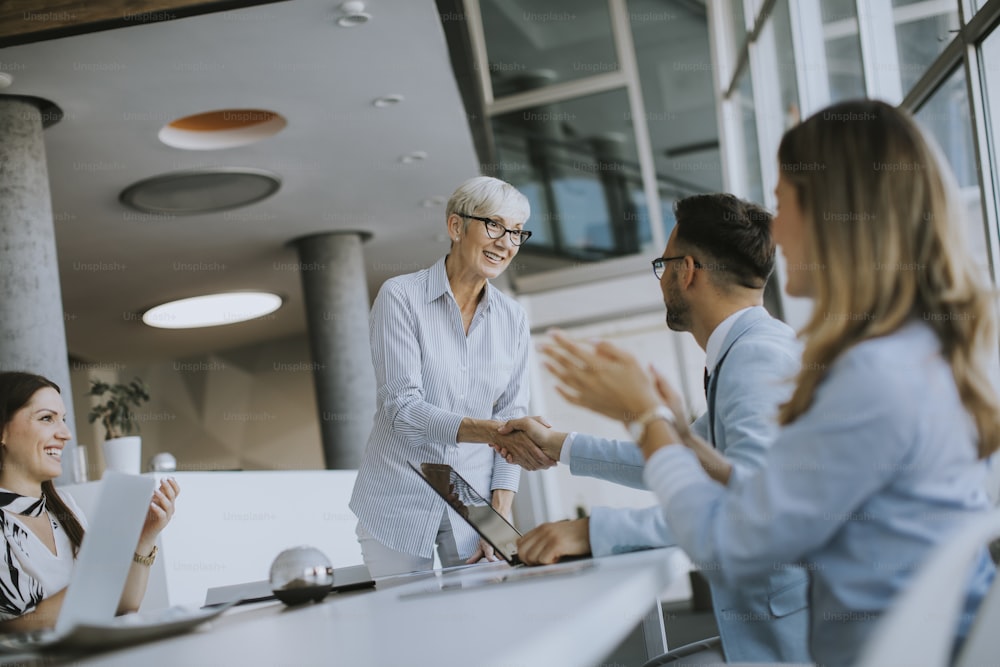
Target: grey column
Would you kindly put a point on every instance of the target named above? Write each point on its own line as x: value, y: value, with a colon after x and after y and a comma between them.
x: 336, y: 299
x: 32, y: 328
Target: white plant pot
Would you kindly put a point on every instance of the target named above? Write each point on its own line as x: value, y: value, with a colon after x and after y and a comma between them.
x: 123, y: 454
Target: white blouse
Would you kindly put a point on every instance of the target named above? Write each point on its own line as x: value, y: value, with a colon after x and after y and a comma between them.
x: 33, y: 573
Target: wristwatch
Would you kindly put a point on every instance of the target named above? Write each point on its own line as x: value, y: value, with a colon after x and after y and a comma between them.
x: 145, y: 560
x: 638, y: 427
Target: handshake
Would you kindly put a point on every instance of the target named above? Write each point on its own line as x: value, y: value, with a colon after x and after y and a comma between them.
x: 529, y: 442
x: 599, y: 377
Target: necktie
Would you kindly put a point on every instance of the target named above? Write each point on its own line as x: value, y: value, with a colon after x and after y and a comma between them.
x: 706, y: 383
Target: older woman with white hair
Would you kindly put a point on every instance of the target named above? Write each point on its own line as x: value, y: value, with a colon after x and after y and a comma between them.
x: 450, y: 353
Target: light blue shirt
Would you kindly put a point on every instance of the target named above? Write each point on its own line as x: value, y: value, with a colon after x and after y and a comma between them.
x: 712, y: 350
x: 430, y: 375
x: 763, y: 620
x: 716, y: 340
x: 859, y: 489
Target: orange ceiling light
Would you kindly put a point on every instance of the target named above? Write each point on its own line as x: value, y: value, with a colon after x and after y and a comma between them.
x: 223, y: 128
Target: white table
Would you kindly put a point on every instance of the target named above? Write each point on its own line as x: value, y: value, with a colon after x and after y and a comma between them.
x: 573, y: 618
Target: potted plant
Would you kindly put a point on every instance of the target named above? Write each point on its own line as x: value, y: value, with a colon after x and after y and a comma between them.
x: 122, y: 451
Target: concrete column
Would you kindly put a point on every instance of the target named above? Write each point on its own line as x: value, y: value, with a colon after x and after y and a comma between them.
x: 32, y: 329
x: 337, y: 306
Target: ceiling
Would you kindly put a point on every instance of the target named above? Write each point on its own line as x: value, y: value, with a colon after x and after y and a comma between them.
x: 338, y: 159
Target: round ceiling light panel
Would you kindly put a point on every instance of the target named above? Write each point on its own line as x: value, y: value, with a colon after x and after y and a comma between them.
x: 224, y: 128
x: 212, y: 310
x: 195, y: 191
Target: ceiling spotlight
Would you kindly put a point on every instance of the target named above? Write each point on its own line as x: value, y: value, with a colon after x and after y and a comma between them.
x: 415, y: 156
x: 387, y: 101
x: 354, y: 14
x: 6, y: 79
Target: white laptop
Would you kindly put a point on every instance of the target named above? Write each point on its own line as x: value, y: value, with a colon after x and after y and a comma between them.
x: 87, y: 618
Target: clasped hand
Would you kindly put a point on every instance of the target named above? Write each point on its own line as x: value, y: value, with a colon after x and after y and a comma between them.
x: 600, y: 377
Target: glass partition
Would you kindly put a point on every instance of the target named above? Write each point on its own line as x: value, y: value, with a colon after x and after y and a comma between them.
x: 923, y: 30
x: 576, y: 162
x: 675, y: 75
x: 536, y: 43
x: 843, y: 49
x: 946, y: 116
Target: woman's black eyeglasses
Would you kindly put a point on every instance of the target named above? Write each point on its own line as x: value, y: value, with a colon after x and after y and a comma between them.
x: 495, y: 230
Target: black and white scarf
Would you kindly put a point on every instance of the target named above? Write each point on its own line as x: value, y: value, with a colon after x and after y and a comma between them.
x: 19, y: 592
x: 23, y: 505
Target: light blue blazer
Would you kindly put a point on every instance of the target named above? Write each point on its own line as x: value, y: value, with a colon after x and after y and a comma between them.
x: 860, y: 489
x: 760, y: 620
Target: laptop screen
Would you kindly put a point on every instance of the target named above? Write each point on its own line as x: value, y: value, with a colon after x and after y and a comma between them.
x: 472, y: 507
x: 105, y: 557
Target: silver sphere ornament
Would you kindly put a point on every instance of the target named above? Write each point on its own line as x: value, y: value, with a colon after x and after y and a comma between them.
x: 163, y: 462
x: 301, y: 574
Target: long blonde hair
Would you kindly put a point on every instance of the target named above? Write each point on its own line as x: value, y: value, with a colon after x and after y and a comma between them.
x: 884, y: 227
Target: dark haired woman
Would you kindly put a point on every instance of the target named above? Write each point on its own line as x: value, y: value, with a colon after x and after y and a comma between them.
x: 42, y: 529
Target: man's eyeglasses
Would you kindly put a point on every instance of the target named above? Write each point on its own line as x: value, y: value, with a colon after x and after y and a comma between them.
x: 495, y: 230
x: 660, y: 264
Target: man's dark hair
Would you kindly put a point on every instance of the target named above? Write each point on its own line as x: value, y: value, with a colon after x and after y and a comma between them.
x: 730, y: 235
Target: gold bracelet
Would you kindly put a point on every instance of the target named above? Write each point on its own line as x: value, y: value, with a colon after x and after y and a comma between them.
x: 145, y: 560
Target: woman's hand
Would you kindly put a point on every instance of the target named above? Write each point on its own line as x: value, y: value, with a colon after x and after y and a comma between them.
x: 161, y: 510
x: 601, y: 377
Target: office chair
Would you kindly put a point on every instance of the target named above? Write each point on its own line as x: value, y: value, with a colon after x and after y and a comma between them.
x: 702, y: 652
x: 919, y: 627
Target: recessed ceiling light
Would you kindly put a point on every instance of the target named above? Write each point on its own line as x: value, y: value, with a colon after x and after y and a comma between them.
x: 414, y: 156
x: 387, y: 101
x: 354, y: 15
x: 222, y: 128
x: 6, y: 79
x: 212, y: 310
x: 195, y: 191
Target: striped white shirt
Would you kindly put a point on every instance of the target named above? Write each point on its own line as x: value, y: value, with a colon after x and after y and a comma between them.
x: 431, y: 375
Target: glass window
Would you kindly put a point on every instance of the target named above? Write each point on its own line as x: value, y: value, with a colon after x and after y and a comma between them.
x: 843, y: 49
x: 739, y: 24
x: 753, y: 187
x: 946, y: 116
x: 989, y: 57
x: 675, y: 75
x: 782, y: 25
x: 923, y: 30
x: 973, y: 6
x: 535, y: 43
x: 577, y: 163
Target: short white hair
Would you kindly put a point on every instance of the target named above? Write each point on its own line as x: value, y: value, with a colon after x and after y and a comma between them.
x: 487, y: 197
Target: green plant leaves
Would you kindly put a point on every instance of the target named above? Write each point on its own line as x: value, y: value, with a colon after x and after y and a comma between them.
x: 115, y: 412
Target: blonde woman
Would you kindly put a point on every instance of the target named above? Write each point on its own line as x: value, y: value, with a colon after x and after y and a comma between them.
x: 880, y: 454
